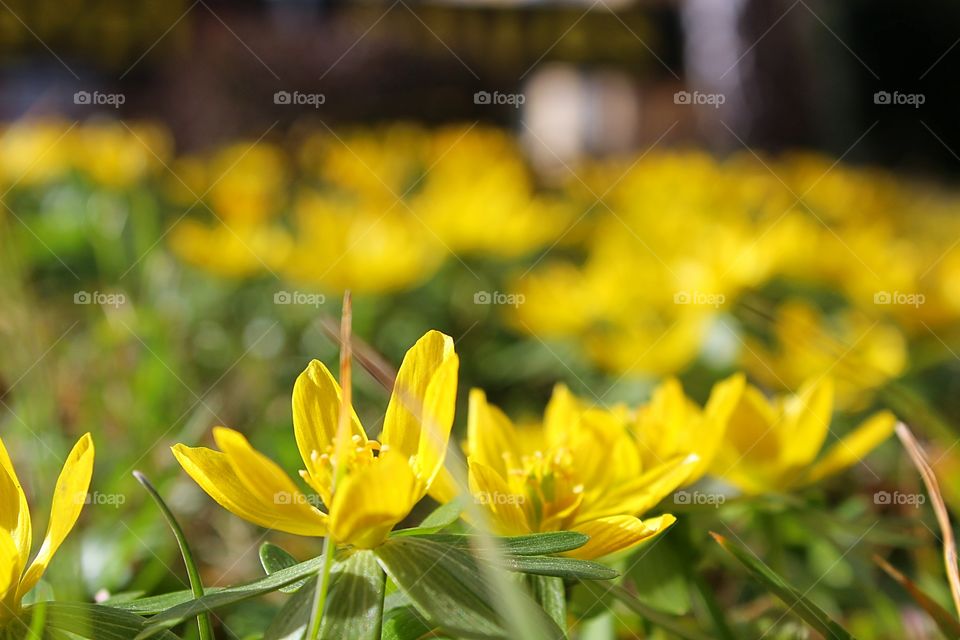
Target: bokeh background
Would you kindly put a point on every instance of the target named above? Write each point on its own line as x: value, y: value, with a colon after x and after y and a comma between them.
x: 599, y: 193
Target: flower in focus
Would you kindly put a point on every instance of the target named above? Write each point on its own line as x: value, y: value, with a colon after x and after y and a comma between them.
x: 16, y: 537
x: 580, y: 470
x: 366, y: 486
x: 772, y: 445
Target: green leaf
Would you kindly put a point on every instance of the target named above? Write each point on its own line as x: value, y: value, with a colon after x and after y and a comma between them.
x: 274, y: 559
x: 405, y: 623
x: 152, y: 605
x: 177, y: 614
x: 447, y: 585
x: 568, y: 568
x: 439, y: 519
x: 809, y: 612
x: 535, y: 544
x: 354, y: 605
x: 291, y: 621
x: 92, y: 621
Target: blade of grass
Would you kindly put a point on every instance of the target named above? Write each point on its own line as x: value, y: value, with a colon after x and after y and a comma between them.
x: 944, y: 619
x: 196, y: 585
x: 813, y: 615
x: 919, y: 459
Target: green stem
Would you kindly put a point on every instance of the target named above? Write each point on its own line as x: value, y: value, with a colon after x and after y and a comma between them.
x: 550, y: 593
x: 196, y: 585
x: 322, y: 587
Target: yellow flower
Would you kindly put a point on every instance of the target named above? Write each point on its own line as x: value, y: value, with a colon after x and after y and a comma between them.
x: 863, y: 353
x: 671, y: 424
x: 771, y: 445
x: 581, y: 470
x: 16, y: 537
x: 376, y: 483
x: 359, y: 245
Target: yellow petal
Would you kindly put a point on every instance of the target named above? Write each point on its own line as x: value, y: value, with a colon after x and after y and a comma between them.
x: 723, y: 400
x: 491, y: 491
x: 216, y: 474
x: 9, y: 574
x: 69, y: 497
x: 408, y: 410
x: 617, y: 533
x: 16, y: 517
x: 439, y: 405
x: 316, y: 411
x: 560, y: 415
x: 854, y: 447
x: 491, y: 437
x: 642, y: 494
x: 444, y: 487
x: 806, y: 422
x: 372, y: 499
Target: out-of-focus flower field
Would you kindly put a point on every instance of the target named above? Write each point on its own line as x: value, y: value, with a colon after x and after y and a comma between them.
x: 149, y: 295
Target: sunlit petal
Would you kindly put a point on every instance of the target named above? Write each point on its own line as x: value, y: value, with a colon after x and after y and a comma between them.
x: 490, y: 490
x: 68, y: 499
x: 491, y: 437
x: 20, y: 529
x: 806, y: 423
x: 372, y: 499
x: 316, y: 410
x: 439, y: 405
x: 617, y: 533
x: 407, y: 410
x: 854, y: 447
x: 9, y: 573
x: 215, y: 474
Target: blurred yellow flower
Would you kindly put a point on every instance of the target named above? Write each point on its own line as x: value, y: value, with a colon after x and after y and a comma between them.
x: 366, y: 486
x: 16, y: 536
x: 671, y: 424
x: 863, y: 354
x: 478, y: 196
x: 349, y: 245
x: 247, y: 182
x: 120, y: 156
x: 34, y: 151
x: 236, y: 250
x: 771, y: 445
x: 580, y: 470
